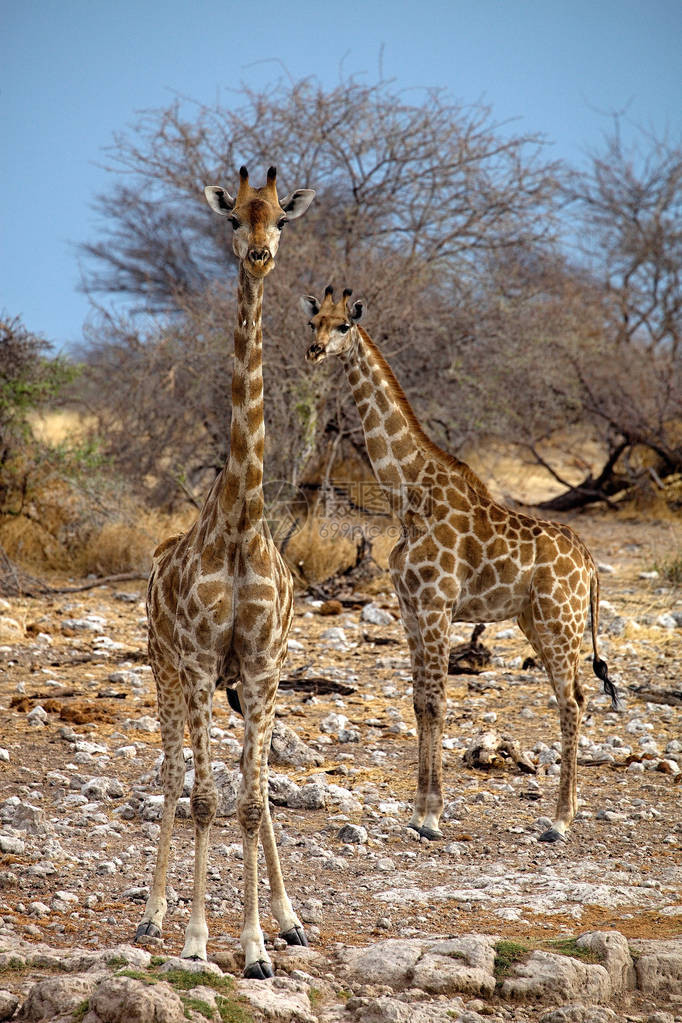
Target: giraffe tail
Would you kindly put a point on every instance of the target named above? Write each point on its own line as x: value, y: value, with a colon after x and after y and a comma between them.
x: 599, y: 666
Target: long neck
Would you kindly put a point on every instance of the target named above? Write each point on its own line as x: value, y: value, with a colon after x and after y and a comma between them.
x: 396, y: 444
x: 242, y: 492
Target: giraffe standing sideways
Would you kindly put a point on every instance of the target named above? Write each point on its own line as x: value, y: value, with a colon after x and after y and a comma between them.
x: 462, y: 556
x: 219, y: 607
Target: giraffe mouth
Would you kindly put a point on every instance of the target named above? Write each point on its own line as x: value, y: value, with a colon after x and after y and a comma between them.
x: 315, y: 353
x: 259, y: 263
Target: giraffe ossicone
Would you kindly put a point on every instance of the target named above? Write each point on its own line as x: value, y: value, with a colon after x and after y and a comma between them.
x: 462, y: 556
x: 219, y: 608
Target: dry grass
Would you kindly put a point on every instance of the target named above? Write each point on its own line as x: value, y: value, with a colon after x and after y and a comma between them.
x: 60, y: 426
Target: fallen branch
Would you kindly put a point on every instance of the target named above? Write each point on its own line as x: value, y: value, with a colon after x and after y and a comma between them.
x: 122, y: 577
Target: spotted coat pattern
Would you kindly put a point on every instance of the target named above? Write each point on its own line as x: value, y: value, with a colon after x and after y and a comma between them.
x: 219, y: 608
x: 462, y: 556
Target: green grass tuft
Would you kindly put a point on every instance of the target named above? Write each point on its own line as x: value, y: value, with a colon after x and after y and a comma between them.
x: 507, y: 953
x: 197, y: 1005
x: 570, y: 947
x: 79, y: 1012
x: 232, y: 1011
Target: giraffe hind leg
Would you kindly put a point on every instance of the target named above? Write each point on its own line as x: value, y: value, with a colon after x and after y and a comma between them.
x: 562, y: 669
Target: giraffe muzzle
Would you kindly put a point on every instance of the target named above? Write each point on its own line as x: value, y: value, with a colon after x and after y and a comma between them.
x: 315, y: 353
x: 260, y: 260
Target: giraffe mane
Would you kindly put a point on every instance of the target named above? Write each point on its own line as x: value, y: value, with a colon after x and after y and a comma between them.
x: 400, y: 398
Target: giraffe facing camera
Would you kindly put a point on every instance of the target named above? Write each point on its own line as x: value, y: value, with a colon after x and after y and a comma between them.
x: 219, y: 609
x: 462, y: 556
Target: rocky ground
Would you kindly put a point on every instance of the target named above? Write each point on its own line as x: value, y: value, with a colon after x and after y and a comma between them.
x: 400, y: 929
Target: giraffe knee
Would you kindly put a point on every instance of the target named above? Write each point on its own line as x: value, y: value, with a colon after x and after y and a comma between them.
x: 430, y: 705
x: 203, y: 804
x: 250, y: 814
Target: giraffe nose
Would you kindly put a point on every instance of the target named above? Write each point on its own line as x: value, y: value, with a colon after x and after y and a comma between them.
x: 315, y: 352
x: 259, y: 257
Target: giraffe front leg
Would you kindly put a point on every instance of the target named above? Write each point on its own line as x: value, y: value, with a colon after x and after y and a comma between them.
x: 203, y: 803
x: 428, y: 639
x: 290, y: 927
x: 172, y: 776
x: 429, y: 703
x: 250, y: 811
x: 429, y: 706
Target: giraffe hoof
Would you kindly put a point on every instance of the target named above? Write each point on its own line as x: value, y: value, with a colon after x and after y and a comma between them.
x: 147, y: 929
x: 431, y: 834
x: 260, y: 970
x: 552, y: 835
x: 295, y: 936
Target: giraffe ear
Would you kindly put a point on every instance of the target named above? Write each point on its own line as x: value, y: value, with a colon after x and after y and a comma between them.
x: 310, y: 305
x: 296, y: 203
x: 355, y: 311
x: 219, y: 200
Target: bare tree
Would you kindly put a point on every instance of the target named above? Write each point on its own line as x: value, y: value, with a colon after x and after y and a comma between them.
x: 628, y: 375
x: 414, y: 201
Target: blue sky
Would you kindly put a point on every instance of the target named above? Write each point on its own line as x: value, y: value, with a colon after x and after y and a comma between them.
x: 74, y: 72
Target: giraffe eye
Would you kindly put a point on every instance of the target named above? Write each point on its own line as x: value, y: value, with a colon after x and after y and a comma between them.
x: 343, y: 328
x: 281, y: 222
x: 311, y: 325
x: 235, y: 223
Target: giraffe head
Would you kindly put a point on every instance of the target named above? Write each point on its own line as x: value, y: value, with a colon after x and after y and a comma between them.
x: 333, y: 323
x: 257, y: 217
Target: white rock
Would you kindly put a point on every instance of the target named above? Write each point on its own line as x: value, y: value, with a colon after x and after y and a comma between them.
x: 386, y: 962
x: 125, y: 998
x: 59, y: 996
x: 311, y: 796
x: 335, y: 638
x: 38, y: 909
x: 106, y: 868
x: 37, y: 716
x: 613, y: 948
x: 333, y: 723
x: 11, y: 844
x: 349, y: 735
x: 126, y: 752
x: 548, y: 977
x: 144, y: 724
x: 281, y: 789
x: 346, y: 801
x: 667, y: 621
x: 279, y: 999
x: 659, y: 967
x: 91, y: 623
x: 376, y: 615
x: 458, y: 965
x: 353, y: 833
x: 102, y: 788
x: 312, y: 911
x: 10, y: 630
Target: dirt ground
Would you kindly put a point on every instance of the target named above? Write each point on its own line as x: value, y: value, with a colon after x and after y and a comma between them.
x: 622, y: 859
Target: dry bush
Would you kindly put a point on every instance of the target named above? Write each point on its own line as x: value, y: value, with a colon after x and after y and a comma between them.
x: 448, y: 225
x: 411, y: 199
